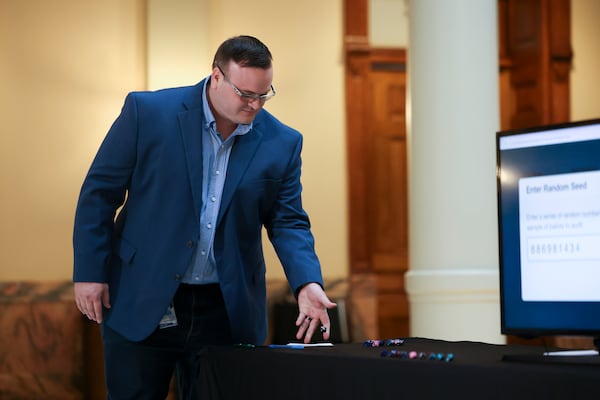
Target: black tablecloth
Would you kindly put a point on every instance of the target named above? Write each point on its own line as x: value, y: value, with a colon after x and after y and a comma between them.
x: 352, y: 371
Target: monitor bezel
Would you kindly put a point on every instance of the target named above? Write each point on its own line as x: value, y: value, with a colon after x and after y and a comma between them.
x: 532, y: 331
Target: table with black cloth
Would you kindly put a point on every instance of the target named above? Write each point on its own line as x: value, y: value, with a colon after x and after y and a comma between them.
x: 353, y: 371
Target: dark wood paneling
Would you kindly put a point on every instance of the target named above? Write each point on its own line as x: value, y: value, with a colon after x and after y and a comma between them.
x: 356, y: 29
x: 539, y: 49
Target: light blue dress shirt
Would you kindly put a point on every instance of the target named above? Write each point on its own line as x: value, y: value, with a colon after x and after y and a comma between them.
x: 215, y: 158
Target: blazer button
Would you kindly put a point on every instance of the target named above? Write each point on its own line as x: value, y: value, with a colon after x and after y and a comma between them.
x: 177, y: 277
x: 190, y: 244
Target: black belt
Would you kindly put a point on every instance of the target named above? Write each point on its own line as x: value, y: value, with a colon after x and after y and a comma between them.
x: 188, y: 287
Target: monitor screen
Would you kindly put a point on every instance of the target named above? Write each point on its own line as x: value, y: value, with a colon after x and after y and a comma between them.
x: 549, y: 229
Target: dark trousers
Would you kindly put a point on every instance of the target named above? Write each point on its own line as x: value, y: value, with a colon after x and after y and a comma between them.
x: 143, y: 370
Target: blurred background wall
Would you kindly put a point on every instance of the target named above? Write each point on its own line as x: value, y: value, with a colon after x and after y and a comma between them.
x: 66, y: 66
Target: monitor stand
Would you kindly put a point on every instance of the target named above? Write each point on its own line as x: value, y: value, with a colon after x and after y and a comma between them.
x: 581, y: 357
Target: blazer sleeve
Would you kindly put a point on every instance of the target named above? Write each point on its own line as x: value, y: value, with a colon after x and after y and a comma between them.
x: 102, y: 193
x: 289, y: 229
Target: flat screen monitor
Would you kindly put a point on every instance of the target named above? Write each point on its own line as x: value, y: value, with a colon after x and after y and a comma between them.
x: 548, y: 182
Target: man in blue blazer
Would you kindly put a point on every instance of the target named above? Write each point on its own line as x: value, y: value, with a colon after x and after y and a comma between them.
x: 167, y: 240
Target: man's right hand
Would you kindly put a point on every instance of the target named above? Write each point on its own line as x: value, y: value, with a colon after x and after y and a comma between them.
x: 90, y: 297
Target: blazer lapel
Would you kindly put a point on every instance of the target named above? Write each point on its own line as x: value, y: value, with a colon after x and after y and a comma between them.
x: 190, y: 123
x: 242, y: 153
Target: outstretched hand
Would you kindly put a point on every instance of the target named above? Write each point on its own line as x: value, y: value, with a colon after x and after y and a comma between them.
x: 312, y: 306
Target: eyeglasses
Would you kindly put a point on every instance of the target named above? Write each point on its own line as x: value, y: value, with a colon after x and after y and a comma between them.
x: 249, y: 96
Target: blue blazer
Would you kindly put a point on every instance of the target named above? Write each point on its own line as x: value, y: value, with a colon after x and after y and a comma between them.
x: 150, y: 164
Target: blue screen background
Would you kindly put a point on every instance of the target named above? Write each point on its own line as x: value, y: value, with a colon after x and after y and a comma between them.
x: 539, y: 318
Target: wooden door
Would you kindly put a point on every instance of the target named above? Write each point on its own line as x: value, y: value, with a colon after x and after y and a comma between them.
x: 536, y: 59
x: 387, y: 204
x: 375, y: 104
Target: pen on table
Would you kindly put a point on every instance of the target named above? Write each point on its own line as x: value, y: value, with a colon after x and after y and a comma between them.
x: 286, y: 346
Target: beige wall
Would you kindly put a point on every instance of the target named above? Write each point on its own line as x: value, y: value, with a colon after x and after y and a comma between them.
x: 179, y: 48
x: 585, y: 76
x: 388, y: 23
x: 67, y: 65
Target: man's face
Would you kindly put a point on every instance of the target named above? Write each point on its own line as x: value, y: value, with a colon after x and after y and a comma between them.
x: 226, y: 100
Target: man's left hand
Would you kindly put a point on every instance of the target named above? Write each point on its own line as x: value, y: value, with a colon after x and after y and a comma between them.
x: 312, y: 305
